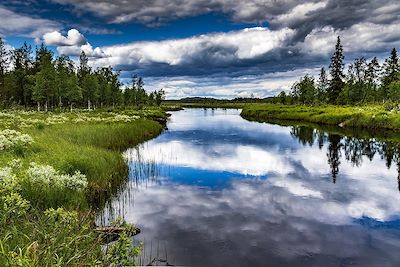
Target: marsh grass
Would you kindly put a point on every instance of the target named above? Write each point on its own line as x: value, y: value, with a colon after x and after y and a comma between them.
x: 91, y: 143
x: 370, y: 116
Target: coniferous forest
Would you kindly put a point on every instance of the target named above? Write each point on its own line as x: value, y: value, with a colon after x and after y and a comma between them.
x: 39, y: 79
x: 364, y: 82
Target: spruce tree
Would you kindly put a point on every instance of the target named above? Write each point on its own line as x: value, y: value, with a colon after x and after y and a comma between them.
x: 336, y: 71
x: 322, y: 86
x: 391, y: 70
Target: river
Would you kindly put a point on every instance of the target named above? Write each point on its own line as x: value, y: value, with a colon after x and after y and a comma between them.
x: 217, y: 190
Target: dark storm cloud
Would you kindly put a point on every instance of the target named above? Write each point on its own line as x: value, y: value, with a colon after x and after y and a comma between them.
x: 306, y: 32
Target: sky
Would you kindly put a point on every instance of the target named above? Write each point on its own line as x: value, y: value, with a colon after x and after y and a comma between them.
x: 208, y: 48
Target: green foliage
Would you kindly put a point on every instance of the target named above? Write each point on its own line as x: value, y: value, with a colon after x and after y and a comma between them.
x: 45, y: 217
x: 54, y: 83
x: 365, y: 82
x: 304, y: 91
x: 371, y: 116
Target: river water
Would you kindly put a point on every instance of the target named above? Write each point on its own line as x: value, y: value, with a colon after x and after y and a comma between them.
x: 217, y: 190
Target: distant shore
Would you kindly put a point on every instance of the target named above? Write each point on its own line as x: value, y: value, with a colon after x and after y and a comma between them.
x: 369, y: 117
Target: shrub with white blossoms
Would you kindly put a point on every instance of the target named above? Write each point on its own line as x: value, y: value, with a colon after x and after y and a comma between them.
x: 47, y: 175
x: 8, y: 181
x: 11, y: 138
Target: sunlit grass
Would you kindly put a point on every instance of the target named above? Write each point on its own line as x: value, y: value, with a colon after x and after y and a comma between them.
x: 87, y: 143
x: 369, y: 116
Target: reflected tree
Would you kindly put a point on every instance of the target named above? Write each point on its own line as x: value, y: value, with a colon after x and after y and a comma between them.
x: 334, y: 154
x: 354, y: 148
x: 305, y: 135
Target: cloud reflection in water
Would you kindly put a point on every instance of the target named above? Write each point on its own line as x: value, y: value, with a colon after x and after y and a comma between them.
x: 275, y: 203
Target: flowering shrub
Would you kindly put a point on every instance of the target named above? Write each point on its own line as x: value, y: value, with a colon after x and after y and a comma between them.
x: 113, y: 118
x: 8, y: 181
x: 15, y: 164
x: 47, y: 175
x: 11, y: 138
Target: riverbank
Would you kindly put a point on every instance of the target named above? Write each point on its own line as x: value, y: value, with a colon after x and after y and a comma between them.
x: 56, y: 169
x: 368, y: 117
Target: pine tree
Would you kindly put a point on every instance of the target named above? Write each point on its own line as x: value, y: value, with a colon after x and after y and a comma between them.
x: 336, y: 71
x: 372, y: 79
x: 22, y: 62
x: 83, y: 68
x: 391, y: 72
x: 322, y: 86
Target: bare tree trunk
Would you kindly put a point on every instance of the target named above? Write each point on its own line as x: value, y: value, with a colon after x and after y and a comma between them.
x: 70, y: 106
x: 45, y: 106
x: 38, y: 106
x: 88, y: 104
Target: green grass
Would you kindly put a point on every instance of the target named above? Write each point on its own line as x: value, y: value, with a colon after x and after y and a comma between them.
x: 89, y: 142
x: 369, y: 117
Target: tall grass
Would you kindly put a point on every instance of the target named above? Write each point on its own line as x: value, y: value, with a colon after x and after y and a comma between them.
x: 370, y: 116
x: 94, y: 148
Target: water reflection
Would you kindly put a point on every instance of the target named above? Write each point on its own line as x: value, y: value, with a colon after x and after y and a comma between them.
x: 218, y: 190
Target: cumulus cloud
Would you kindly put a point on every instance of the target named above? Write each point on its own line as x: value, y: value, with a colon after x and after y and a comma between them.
x: 209, y: 48
x: 22, y: 25
x: 73, y: 38
x: 76, y: 50
x: 362, y: 37
x: 72, y: 44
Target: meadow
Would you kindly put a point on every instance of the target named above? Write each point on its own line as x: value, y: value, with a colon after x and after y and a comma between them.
x: 56, y: 170
x: 368, y: 116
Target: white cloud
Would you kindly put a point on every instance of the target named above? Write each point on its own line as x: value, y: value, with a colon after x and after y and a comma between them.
x: 73, y: 38
x: 217, y: 48
x: 299, y: 12
x: 21, y: 25
x: 76, y: 50
x: 361, y: 37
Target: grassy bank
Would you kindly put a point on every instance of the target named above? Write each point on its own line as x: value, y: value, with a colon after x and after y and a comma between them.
x: 56, y: 170
x: 369, y: 117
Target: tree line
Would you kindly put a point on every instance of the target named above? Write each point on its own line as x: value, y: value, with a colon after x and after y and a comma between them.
x: 39, y: 79
x: 364, y: 82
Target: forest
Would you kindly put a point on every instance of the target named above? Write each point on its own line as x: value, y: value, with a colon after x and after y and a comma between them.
x: 365, y: 82
x: 41, y: 80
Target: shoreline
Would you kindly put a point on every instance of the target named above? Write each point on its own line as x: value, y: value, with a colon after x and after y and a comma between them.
x: 372, y: 117
x: 91, y: 143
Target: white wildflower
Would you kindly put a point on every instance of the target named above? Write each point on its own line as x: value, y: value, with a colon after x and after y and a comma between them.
x: 47, y: 175
x: 43, y: 174
x: 10, y: 138
x: 15, y: 164
x: 8, y: 179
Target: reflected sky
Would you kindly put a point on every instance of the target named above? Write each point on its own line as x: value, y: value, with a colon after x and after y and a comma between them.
x: 218, y: 190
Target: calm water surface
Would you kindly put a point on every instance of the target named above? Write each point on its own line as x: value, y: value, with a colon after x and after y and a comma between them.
x: 217, y: 190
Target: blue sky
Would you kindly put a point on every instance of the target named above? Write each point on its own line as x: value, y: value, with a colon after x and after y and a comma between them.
x: 215, y: 48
